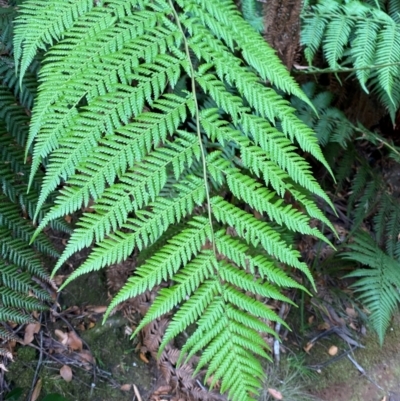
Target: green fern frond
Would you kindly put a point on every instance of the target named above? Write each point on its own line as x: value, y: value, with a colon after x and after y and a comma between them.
x: 144, y: 229
x: 10, y: 218
x: 45, y: 24
x: 336, y: 38
x: 256, y: 232
x: 252, y: 14
x: 163, y: 142
x: 378, y: 284
x: 394, y: 10
x: 359, y: 34
x: 21, y: 266
x: 388, y: 55
x: 364, y: 49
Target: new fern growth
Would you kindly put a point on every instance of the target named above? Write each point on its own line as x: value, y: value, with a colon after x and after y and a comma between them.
x: 158, y: 113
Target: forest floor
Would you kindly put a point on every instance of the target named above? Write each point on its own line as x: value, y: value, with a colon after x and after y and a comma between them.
x: 107, y: 365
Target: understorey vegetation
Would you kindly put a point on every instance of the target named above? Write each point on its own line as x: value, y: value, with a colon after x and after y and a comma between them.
x: 194, y: 138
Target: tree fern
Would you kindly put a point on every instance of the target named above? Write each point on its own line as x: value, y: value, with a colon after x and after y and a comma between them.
x: 166, y: 122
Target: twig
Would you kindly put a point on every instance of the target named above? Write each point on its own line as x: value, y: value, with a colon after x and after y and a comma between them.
x: 137, y: 394
x: 277, y: 330
x: 331, y: 360
x: 35, y: 376
x: 363, y: 372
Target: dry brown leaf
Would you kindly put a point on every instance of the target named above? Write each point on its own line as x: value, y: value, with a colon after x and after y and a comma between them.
x: 353, y: 326
x: 62, y: 337
x: 126, y: 387
x: 66, y: 373
x: 87, y: 359
x: 143, y: 358
x: 81, y: 327
x: 333, y: 350
x: 275, y: 393
x: 308, y: 347
x: 324, y: 326
x: 351, y: 312
x: 59, y: 279
x: 30, y: 330
x: 74, y: 342
x: 96, y: 309
x: 36, y: 390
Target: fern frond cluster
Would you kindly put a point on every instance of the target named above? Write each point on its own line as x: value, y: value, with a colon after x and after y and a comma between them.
x: 21, y: 264
x: 157, y: 113
x: 378, y: 284
x: 371, y: 202
x: 359, y: 35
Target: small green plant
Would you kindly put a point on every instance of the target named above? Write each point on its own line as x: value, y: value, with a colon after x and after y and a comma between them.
x: 289, y: 380
x: 378, y: 284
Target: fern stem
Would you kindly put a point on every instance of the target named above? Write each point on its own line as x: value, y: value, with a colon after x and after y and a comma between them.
x: 312, y: 70
x: 198, y: 130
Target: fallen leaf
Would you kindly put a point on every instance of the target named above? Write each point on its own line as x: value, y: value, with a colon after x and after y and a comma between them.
x: 66, y: 373
x: 2, y: 367
x: 30, y: 330
x: 62, y: 337
x: 276, y: 394
x: 324, y: 326
x: 351, y: 312
x: 74, y: 342
x: 353, y: 326
x: 333, y: 350
x: 58, y: 280
x: 96, y: 309
x: 126, y: 387
x: 87, y: 359
x: 308, y: 347
x: 36, y: 390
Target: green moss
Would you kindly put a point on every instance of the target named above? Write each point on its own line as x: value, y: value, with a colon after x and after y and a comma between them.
x: 381, y: 364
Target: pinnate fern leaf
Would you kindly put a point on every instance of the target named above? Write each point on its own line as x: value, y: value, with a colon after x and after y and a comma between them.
x: 377, y: 283
x: 164, y: 129
x: 359, y: 34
